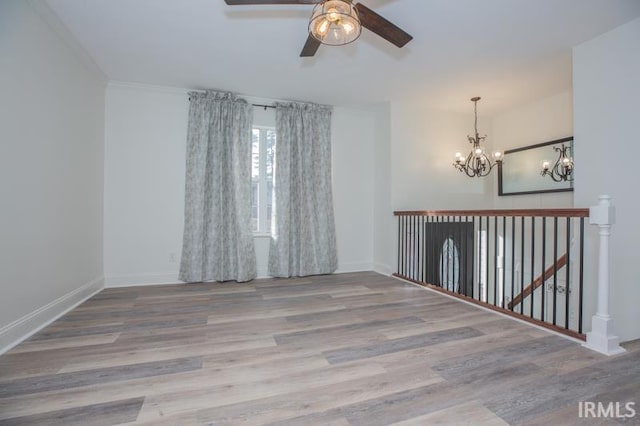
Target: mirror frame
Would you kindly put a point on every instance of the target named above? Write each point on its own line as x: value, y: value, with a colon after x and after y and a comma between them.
x: 501, y: 176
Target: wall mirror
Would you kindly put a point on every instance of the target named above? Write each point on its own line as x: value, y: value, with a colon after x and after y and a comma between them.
x: 520, y: 170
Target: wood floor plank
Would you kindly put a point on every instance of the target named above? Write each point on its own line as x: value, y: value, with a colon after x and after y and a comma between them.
x: 441, y: 323
x: 569, y: 359
x: 467, y: 414
x: 107, y: 413
x: 465, y: 364
x: 427, y: 356
x: 413, y: 403
x: 129, y: 326
x: 66, y: 324
x: 21, y: 364
x: 100, y: 375
x: 347, y: 349
x: 155, y: 407
x: 316, y: 399
x: 153, y: 355
x: 567, y: 414
x: 196, y: 381
x: 400, y: 344
x: 314, y: 290
x: 535, y: 398
x: 373, y: 311
x: 77, y: 332
x: 331, y: 332
x: 275, y: 311
x: 65, y: 343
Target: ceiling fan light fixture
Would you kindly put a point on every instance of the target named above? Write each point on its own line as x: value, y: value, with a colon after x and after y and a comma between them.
x: 335, y: 23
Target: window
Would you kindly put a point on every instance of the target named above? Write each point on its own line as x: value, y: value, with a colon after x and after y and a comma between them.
x: 263, y: 149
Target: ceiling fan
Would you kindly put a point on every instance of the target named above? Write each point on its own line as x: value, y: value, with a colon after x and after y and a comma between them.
x: 338, y: 22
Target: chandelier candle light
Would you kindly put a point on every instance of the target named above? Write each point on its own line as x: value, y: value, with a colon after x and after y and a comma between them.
x: 335, y: 22
x: 477, y: 163
x: 562, y: 171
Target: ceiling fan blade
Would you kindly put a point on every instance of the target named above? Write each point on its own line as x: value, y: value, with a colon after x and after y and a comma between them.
x: 246, y: 2
x: 310, y: 47
x: 379, y: 25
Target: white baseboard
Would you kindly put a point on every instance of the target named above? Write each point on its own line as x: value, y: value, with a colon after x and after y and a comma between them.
x: 354, y: 267
x: 114, y: 281
x: 381, y: 268
x: 138, y: 280
x: 19, y: 330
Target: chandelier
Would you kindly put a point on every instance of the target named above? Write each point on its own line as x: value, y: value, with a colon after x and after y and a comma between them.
x: 335, y: 22
x: 476, y: 163
x: 562, y: 170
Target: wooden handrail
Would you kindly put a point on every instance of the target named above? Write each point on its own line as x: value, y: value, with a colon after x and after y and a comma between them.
x: 505, y: 213
x: 562, y: 261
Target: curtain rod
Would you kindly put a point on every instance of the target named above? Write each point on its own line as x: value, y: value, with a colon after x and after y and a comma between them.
x: 255, y: 105
x: 264, y: 106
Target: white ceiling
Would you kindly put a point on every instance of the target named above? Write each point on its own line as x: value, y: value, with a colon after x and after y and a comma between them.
x: 507, y: 51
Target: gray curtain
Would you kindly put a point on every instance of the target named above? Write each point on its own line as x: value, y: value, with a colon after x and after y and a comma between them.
x: 303, y: 239
x: 218, y: 242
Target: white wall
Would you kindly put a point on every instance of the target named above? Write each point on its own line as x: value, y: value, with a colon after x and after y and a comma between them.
x: 353, y: 135
x: 352, y: 142
x: 145, y: 141
x: 541, y: 121
x: 414, y: 154
x: 388, y: 157
x: 423, y: 144
x: 383, y: 220
x: 51, y: 155
x: 606, y: 84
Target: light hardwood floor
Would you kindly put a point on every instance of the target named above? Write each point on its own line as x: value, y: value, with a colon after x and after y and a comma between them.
x: 350, y: 349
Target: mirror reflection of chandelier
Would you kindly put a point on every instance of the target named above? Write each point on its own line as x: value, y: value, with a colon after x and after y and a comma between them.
x: 476, y: 163
x: 335, y: 22
x: 562, y: 170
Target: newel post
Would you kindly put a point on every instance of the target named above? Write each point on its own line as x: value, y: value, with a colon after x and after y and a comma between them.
x: 601, y: 337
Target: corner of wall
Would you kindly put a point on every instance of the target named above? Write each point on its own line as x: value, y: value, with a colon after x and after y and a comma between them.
x: 383, y: 269
x: 21, y: 329
x: 60, y: 29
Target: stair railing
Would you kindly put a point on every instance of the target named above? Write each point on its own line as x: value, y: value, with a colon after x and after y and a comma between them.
x: 524, y: 263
